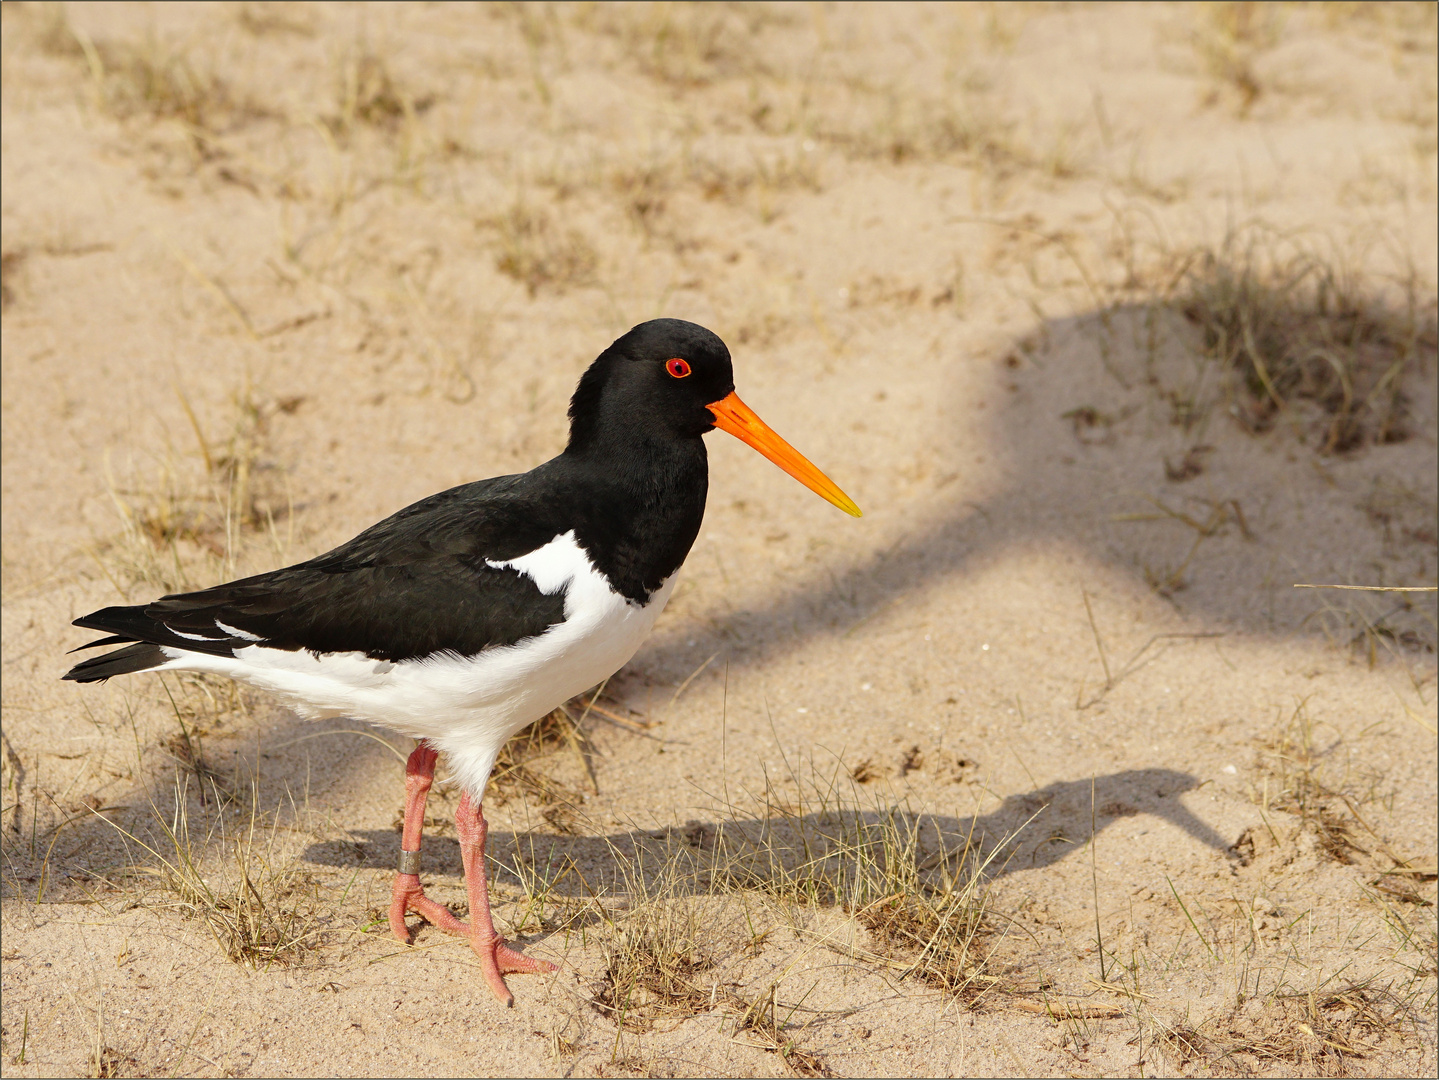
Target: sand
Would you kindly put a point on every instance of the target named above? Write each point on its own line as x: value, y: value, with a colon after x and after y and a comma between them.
x: 273, y: 271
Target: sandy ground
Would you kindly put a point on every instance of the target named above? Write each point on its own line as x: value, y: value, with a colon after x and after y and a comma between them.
x: 273, y: 271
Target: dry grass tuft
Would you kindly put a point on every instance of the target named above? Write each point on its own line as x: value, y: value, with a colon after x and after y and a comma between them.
x: 1317, y: 1032
x: 1312, y: 775
x: 275, y: 17
x: 757, y: 182
x: 540, y: 254
x: 261, y: 909
x: 180, y: 512
x: 152, y: 81
x: 202, y: 705
x: 202, y: 847
x: 1298, y: 768
x: 941, y: 934
x: 654, y: 970
x: 149, y: 79
x: 1277, y: 333
x: 686, y: 46
x: 658, y: 945
x: 667, y: 947
x: 1307, y: 340
x: 1229, y: 38
x: 368, y: 92
x: 759, y: 1019
x: 1381, y: 624
x: 10, y: 264
x: 669, y: 943
x: 108, y: 1062
x: 518, y: 769
x: 922, y: 898
x: 900, y: 130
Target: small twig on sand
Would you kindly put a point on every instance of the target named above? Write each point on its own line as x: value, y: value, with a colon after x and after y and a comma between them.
x: 1376, y: 588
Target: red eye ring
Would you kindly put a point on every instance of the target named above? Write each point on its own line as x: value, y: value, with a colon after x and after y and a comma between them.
x: 677, y: 367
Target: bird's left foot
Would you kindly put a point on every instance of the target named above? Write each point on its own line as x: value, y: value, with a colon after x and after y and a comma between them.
x: 409, y: 895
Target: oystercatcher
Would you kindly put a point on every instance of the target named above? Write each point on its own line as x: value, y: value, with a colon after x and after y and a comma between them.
x: 474, y: 612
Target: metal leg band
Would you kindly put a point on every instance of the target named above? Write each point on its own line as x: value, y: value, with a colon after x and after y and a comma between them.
x: 409, y: 862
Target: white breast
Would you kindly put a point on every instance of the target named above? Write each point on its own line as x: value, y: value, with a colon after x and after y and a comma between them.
x: 466, y: 706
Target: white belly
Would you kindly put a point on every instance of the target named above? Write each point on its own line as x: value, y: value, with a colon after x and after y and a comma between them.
x: 465, y: 706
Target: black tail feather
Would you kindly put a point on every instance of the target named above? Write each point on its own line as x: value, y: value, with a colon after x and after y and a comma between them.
x: 140, y: 656
x: 128, y: 621
x: 113, y: 639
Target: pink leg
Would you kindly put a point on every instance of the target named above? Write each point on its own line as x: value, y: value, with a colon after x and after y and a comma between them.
x: 496, y: 958
x: 409, y: 894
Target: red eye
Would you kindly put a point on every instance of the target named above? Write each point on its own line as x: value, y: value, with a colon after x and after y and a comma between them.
x: 677, y: 367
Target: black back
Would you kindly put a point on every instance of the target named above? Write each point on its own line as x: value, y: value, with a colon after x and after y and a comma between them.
x: 631, y: 485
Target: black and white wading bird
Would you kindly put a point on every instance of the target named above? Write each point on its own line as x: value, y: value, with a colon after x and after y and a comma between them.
x: 472, y: 613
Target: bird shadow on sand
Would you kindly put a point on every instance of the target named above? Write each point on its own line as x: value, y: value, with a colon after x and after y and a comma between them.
x: 786, y: 838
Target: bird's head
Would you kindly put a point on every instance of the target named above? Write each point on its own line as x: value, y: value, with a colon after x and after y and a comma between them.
x: 669, y: 378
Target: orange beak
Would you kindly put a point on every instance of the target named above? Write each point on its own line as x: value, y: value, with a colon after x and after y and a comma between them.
x: 734, y: 416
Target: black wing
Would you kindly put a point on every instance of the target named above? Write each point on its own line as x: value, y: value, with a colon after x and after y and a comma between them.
x: 416, y: 584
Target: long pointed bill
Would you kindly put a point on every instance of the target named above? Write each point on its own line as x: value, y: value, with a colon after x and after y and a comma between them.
x: 734, y: 416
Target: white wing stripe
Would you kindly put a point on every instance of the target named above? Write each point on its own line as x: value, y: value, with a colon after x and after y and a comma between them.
x: 191, y: 637
x: 233, y: 631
